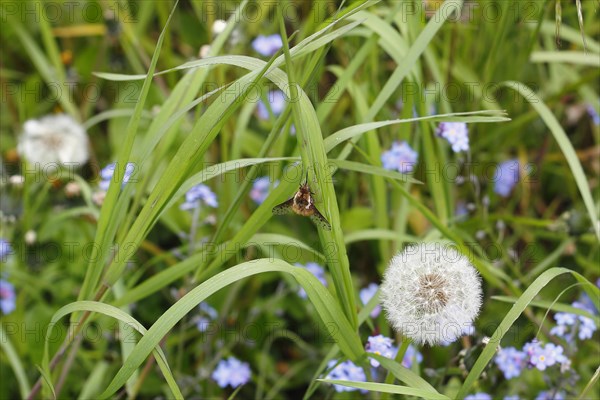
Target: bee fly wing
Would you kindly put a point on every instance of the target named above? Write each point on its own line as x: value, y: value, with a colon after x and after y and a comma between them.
x: 320, y: 220
x: 284, y: 208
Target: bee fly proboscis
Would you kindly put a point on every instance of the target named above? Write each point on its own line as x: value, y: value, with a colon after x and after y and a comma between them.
x: 302, y: 203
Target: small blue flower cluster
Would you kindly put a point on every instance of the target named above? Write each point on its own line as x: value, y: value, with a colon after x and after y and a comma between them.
x: 571, y: 325
x: 512, y: 361
x: 231, y: 372
x: 260, y: 189
x: 550, y: 395
x: 545, y: 395
x: 267, y: 46
x: 593, y: 114
x: 346, y: 371
x: 456, y: 133
x: 5, y: 249
x: 277, y: 102
x: 366, y: 294
x: 317, y: 271
x: 197, y: 195
x: 479, y: 396
x: 542, y: 357
x: 507, y: 176
x: 381, y: 345
x: 401, y: 157
x: 8, y: 296
x: 106, y: 175
x: 207, y: 315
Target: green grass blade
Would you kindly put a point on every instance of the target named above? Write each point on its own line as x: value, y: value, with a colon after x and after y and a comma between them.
x: 526, y: 298
x: 590, y: 384
x: 372, y: 170
x: 220, y: 169
x: 567, y: 33
x: 376, y: 234
x: 403, y: 374
x: 119, y: 315
x: 415, y: 51
x: 580, y: 20
x: 125, y: 342
x: 192, y: 149
x: 275, y: 239
x: 15, y: 363
x: 110, y: 114
x: 565, y: 145
x: 569, y: 57
x: 164, y: 278
x: 559, y: 307
x: 46, y: 377
x: 350, y: 132
x: 104, y: 234
x: 43, y: 65
x: 314, y: 158
x: 324, y: 303
x: 161, y: 279
x: 387, y: 388
x: 93, y: 384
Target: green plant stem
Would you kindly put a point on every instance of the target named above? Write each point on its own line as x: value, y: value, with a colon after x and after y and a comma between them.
x: 399, y: 357
x: 63, y: 348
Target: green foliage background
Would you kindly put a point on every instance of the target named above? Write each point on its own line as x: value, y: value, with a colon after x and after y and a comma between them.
x: 362, y: 75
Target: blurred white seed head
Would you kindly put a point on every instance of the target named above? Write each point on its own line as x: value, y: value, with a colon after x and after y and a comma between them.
x: 98, y: 197
x: 54, y: 139
x: 30, y: 237
x: 17, y: 180
x: 431, y: 293
x: 485, y: 201
x: 72, y: 189
x: 218, y: 26
x: 500, y: 225
x: 204, y: 50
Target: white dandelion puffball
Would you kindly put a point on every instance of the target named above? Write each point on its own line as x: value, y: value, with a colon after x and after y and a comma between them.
x: 431, y: 293
x: 54, y: 139
x: 218, y: 26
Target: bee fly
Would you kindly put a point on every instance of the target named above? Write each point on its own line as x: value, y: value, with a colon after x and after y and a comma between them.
x: 303, y: 204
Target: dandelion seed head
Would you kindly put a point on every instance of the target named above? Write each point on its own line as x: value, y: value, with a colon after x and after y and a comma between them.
x: 17, y: 180
x: 204, y: 50
x: 54, y: 139
x: 218, y: 26
x: 431, y: 293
